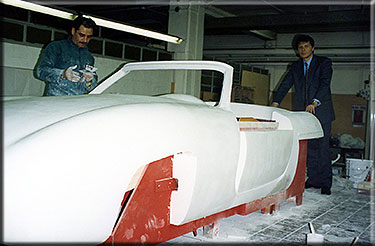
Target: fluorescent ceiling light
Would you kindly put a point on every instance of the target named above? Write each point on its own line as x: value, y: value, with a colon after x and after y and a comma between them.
x: 135, y: 30
x: 98, y: 21
x: 39, y: 8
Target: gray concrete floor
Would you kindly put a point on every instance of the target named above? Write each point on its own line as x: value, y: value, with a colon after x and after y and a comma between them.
x: 340, y: 217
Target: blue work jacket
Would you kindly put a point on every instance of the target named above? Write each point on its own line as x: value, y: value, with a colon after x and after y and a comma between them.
x: 57, y: 57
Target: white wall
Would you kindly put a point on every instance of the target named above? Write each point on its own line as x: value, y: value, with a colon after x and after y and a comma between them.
x: 349, y: 79
x: 19, y: 62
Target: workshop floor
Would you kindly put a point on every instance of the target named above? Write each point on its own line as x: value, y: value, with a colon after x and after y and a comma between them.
x: 340, y: 217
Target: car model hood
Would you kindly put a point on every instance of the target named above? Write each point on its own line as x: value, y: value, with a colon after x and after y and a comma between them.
x: 25, y: 115
x: 74, y: 158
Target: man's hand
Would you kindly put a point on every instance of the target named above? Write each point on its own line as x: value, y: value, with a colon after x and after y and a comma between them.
x: 87, y: 76
x: 311, y: 107
x: 69, y: 74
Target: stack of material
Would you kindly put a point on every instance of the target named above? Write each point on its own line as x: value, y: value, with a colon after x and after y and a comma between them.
x: 252, y: 124
x: 366, y: 187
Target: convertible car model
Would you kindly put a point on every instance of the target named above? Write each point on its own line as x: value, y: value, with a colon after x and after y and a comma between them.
x: 127, y: 168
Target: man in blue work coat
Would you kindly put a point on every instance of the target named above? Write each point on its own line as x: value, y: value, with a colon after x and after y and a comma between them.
x: 67, y: 66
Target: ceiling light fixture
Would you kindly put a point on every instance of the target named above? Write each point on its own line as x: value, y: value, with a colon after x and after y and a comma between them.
x: 98, y: 21
x: 39, y: 8
x: 135, y: 30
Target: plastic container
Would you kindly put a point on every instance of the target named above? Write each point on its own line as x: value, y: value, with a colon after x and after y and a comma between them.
x: 358, y: 170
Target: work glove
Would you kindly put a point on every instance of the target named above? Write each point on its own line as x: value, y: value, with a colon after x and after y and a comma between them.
x: 69, y: 74
x: 87, y: 76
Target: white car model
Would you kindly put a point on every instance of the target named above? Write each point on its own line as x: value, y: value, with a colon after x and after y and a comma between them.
x: 69, y: 160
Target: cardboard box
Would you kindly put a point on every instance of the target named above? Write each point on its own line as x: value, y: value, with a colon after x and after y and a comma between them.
x: 260, y: 83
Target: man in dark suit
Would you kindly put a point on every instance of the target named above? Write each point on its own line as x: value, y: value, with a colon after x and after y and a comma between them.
x: 311, y: 77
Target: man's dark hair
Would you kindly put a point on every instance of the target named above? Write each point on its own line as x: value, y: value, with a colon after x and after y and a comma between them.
x: 302, y: 38
x: 86, y: 22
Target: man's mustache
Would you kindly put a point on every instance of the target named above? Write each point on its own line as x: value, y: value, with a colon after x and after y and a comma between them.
x: 85, y: 43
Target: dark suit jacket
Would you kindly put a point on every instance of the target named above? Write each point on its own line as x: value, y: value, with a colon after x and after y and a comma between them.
x: 318, y: 84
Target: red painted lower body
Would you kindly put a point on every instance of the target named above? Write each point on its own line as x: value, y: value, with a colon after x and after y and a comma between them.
x: 145, y: 214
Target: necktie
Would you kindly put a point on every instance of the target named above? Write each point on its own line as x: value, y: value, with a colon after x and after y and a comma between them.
x: 306, y: 69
